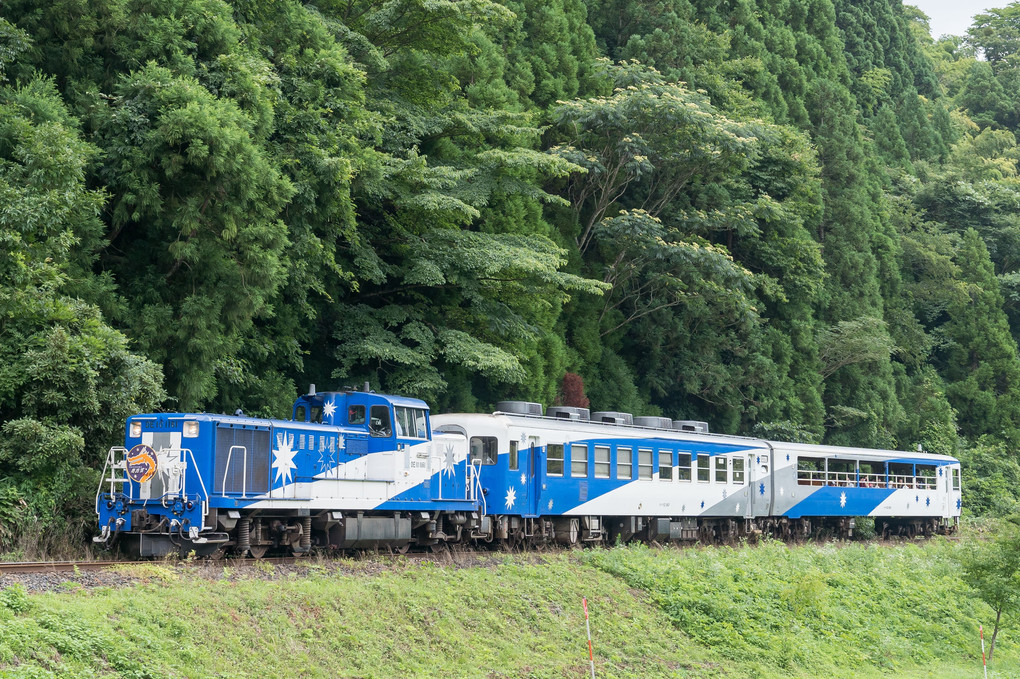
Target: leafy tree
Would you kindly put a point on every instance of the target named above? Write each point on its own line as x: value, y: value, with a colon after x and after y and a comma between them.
x: 67, y: 379
x: 993, y: 570
x: 981, y: 365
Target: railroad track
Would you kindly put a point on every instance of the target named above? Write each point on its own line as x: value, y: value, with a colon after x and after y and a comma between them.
x: 77, y: 566
x: 56, y: 566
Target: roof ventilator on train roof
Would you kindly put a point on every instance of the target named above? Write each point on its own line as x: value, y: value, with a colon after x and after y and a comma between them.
x: 692, y: 426
x: 519, y: 408
x: 654, y: 422
x: 568, y: 413
x: 612, y: 417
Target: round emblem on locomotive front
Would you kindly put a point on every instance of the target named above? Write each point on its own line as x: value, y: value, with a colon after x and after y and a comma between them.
x: 141, y: 463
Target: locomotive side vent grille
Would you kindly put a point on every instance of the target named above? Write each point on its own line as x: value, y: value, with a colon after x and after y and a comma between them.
x: 253, y: 461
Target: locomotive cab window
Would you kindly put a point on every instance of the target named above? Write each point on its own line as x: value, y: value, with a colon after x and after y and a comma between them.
x: 410, y: 422
x: 683, y: 471
x: 299, y: 414
x: 379, y: 424
x: 356, y: 415
x: 316, y: 414
x: 513, y: 456
x: 483, y: 450
x: 554, y: 459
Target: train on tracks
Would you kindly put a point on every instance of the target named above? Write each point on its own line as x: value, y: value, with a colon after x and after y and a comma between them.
x: 354, y: 469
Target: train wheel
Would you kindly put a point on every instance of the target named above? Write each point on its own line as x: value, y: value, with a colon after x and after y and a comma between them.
x: 258, y: 551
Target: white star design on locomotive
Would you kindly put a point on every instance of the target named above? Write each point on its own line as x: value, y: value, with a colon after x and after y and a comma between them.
x: 283, y: 457
x: 550, y: 504
x: 737, y: 508
x: 511, y: 496
x: 325, y: 461
x: 449, y: 460
x: 524, y: 438
x: 842, y: 499
x: 524, y: 479
x: 329, y: 409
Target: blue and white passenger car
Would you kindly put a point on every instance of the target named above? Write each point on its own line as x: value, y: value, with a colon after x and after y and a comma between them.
x: 356, y: 469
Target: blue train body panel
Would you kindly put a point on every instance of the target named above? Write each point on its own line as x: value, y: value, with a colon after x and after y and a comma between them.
x: 359, y: 468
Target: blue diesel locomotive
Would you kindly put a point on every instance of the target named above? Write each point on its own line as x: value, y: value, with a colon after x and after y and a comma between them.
x: 361, y: 470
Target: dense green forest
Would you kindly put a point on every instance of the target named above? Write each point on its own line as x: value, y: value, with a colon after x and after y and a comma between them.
x: 791, y: 218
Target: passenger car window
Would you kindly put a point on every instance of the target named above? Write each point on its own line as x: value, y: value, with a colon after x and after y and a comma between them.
x: 601, y: 462
x: 579, y: 461
x: 624, y: 463
x: 684, y: 468
x: 665, y: 465
x: 484, y: 450
x: 554, y: 459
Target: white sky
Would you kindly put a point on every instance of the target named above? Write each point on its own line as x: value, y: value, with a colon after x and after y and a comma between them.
x: 953, y: 16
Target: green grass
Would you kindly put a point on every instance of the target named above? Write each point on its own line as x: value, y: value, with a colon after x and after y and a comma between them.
x: 766, y: 611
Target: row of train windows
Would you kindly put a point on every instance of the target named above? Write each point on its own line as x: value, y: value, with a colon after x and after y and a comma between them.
x: 819, y: 471
x: 672, y: 465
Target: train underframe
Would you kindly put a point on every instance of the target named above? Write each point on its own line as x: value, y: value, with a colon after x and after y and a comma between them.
x: 295, y: 532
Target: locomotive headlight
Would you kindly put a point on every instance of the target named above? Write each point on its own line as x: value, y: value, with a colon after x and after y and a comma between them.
x: 136, y: 430
x: 190, y: 430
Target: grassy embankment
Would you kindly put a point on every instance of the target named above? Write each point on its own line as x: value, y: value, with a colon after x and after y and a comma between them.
x: 767, y: 611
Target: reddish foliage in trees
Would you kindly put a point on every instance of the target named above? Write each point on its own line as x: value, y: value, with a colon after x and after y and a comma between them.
x: 572, y: 391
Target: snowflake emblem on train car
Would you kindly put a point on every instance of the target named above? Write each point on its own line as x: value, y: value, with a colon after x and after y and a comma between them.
x: 511, y: 497
x: 524, y: 438
x: 737, y: 508
x: 959, y: 503
x: 524, y: 479
x: 550, y: 504
x: 283, y: 457
x: 787, y: 457
x: 329, y: 409
x: 449, y: 460
x: 917, y: 498
x: 325, y: 460
x: 724, y: 494
x: 940, y: 471
x: 761, y: 489
x: 702, y: 504
x: 842, y: 499
x: 927, y: 502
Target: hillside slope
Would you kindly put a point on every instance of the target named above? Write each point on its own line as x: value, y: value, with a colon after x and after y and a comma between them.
x: 766, y: 611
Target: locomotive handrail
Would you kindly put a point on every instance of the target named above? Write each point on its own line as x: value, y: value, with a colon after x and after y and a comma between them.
x: 244, y: 472
x: 112, y: 480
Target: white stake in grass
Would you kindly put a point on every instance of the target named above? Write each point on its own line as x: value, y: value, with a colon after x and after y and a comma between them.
x: 587, y: 625
x: 981, y: 631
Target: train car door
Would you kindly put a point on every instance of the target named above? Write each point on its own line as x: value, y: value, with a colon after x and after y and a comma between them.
x: 533, y: 476
x: 759, y: 463
x: 751, y: 485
